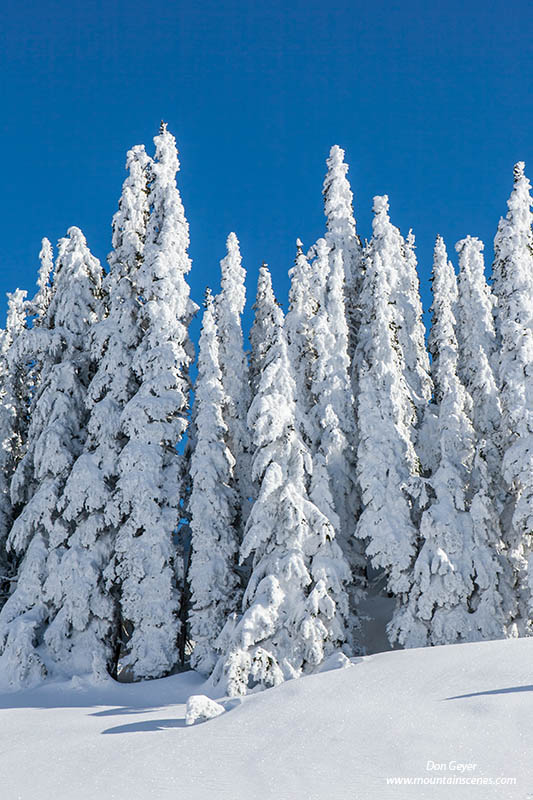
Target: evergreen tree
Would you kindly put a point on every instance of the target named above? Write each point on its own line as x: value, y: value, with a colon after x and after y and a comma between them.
x: 333, y: 412
x: 85, y: 629
x: 477, y: 355
x: 411, y: 331
x: 477, y: 346
x: 153, y: 421
x: 213, y: 507
x: 454, y: 595
x: 13, y: 423
x: 41, y: 301
x: 234, y: 368
x: 295, y: 605
x: 342, y: 236
x: 303, y: 306
x: 55, y: 439
x: 513, y: 287
x: 263, y: 326
x: 387, y: 465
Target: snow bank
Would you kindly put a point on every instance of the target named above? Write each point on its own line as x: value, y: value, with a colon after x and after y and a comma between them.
x: 340, y: 735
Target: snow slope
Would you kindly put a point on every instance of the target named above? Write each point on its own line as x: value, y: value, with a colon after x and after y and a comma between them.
x: 337, y: 735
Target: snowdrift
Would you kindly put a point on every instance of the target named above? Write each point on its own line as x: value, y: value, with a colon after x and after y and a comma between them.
x: 390, y: 725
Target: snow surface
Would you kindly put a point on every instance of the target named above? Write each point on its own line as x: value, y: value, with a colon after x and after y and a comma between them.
x: 337, y: 735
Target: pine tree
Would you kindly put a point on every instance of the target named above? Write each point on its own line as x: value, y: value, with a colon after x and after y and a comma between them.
x: 13, y: 423
x: 333, y: 411
x: 153, y: 421
x: 454, y: 595
x: 55, y: 439
x: 213, y: 507
x: 411, y: 331
x: 317, y: 338
x: 41, y: 302
x: 513, y: 287
x: 85, y: 629
x: 303, y: 306
x: 234, y: 368
x: 295, y: 605
x: 342, y: 236
x: 387, y: 465
x: 263, y: 326
x: 477, y: 345
x: 477, y: 355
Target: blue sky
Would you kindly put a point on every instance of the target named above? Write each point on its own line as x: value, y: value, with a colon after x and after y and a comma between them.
x: 432, y: 103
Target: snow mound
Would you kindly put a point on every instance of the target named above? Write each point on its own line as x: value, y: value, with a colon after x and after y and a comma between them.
x: 201, y: 708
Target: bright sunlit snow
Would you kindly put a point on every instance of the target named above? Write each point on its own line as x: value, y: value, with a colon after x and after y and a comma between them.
x: 335, y: 736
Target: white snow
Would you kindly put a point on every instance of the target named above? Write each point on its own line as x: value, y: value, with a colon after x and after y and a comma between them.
x: 201, y: 708
x: 335, y: 736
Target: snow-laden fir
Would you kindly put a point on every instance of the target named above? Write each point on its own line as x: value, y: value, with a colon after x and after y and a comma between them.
x: 140, y: 536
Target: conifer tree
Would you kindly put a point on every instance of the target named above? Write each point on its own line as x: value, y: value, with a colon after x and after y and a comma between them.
x: 55, y: 439
x: 85, y: 630
x: 477, y: 355
x: 333, y: 411
x: 477, y: 346
x: 411, y: 331
x: 317, y: 336
x: 454, y: 595
x: 234, y: 368
x: 387, y: 465
x: 41, y: 301
x: 295, y: 605
x: 13, y: 423
x: 400, y: 266
x: 153, y: 422
x: 263, y: 326
x: 303, y: 306
x: 342, y: 236
x: 212, y: 576
x: 513, y: 287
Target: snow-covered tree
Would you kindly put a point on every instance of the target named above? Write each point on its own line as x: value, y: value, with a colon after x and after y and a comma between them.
x: 56, y: 438
x: 295, y: 605
x: 477, y: 346
x: 263, y: 326
x: 303, y: 305
x: 454, y: 594
x: 387, y: 465
x: 214, y: 584
x: 513, y: 287
x: 41, y: 301
x: 400, y: 266
x: 234, y: 368
x: 411, y: 331
x: 147, y: 494
x: 342, y: 236
x: 332, y: 410
x: 84, y: 633
x: 14, y: 398
x: 477, y: 355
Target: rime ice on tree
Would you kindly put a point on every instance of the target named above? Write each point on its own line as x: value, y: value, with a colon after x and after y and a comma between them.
x: 453, y: 596
x: 234, y: 368
x: 213, y: 506
x: 342, y: 237
x: 84, y: 634
x: 513, y: 287
x: 153, y: 422
x: 55, y: 439
x: 387, y: 466
x: 295, y: 605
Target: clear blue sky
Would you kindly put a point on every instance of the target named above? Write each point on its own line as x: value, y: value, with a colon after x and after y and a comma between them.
x: 431, y: 101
